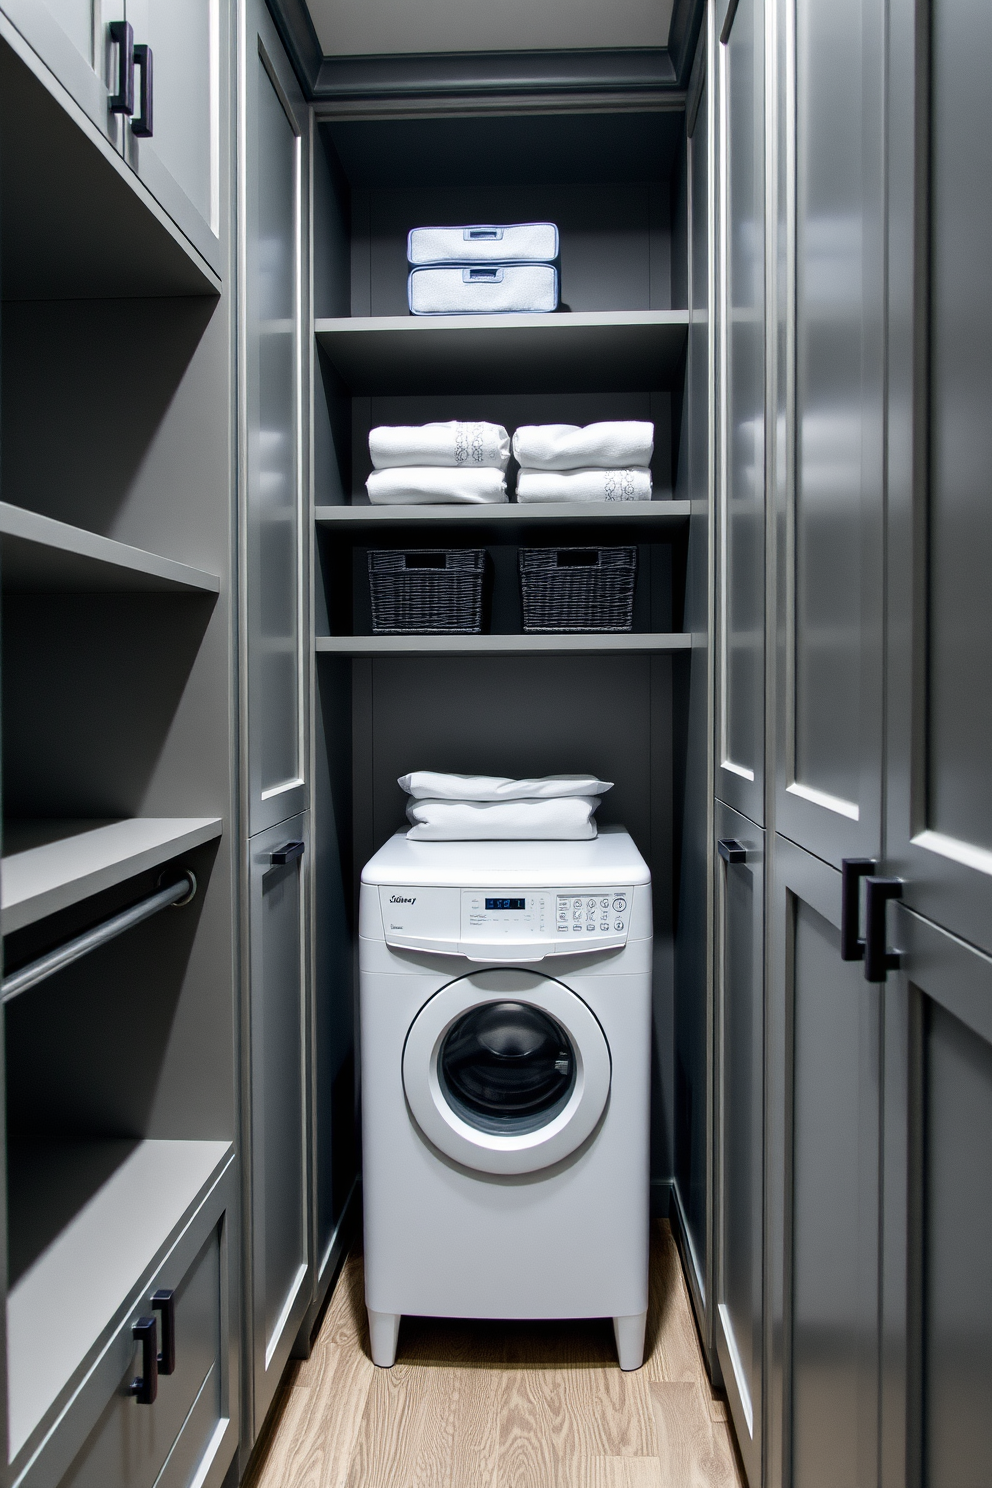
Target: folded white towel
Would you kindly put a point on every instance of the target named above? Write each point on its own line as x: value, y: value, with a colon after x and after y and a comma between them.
x: 584, y: 485
x: 465, y: 446
x: 436, y: 785
x: 571, y: 447
x: 567, y: 819
x: 535, y: 242
x: 426, y: 484
x: 484, y: 289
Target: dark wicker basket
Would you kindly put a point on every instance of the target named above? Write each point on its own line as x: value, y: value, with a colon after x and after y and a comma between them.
x: 429, y: 591
x: 581, y: 589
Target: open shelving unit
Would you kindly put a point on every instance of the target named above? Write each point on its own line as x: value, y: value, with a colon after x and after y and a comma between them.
x: 669, y: 518
x: 599, y: 644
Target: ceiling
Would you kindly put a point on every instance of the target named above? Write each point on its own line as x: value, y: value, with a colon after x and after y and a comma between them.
x: 366, y: 27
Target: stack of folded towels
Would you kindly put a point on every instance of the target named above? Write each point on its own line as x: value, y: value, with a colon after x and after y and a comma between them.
x: 601, y: 462
x: 429, y: 463
x: 469, y: 808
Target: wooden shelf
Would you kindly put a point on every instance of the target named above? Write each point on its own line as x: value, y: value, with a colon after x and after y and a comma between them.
x: 661, y: 518
x: 626, y: 644
x: 99, y: 1216
x: 51, y: 864
x: 41, y: 554
x: 592, y: 351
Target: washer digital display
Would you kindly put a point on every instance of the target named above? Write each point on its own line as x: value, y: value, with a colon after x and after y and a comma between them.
x: 506, y: 903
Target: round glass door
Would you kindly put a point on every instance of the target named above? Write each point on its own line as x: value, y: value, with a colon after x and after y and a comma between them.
x: 507, y: 1067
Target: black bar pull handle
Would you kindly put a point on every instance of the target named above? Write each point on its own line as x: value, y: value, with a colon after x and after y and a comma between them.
x: 289, y: 852
x: 164, y: 1302
x: 122, y: 102
x: 731, y: 851
x: 142, y: 125
x: 144, y: 1387
x: 852, y: 871
x: 879, y: 960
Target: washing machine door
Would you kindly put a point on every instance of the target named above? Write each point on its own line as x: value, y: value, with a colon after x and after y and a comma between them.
x: 506, y: 1071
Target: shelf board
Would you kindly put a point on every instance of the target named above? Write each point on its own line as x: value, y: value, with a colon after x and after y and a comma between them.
x: 103, y: 1215
x: 626, y: 644
x: 51, y: 864
x: 41, y: 554
x: 589, y: 351
x: 661, y: 517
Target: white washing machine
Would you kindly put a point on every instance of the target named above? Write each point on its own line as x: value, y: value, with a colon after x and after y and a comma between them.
x: 506, y: 1036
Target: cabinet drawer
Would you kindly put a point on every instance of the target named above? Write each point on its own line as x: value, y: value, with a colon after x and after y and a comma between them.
x: 105, y: 1438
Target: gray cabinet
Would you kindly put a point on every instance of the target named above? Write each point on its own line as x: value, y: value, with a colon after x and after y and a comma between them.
x: 281, y: 1274
x: 830, y: 407
x: 181, y: 162
x: 739, y: 958
x: 741, y: 485
x: 72, y: 38
x: 824, y: 1197
x: 273, y: 386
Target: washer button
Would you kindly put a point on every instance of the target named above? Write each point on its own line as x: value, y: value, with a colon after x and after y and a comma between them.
x: 618, y: 925
x: 619, y: 904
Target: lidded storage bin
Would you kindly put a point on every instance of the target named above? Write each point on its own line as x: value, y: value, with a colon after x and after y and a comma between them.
x: 484, y: 242
x: 578, y: 589
x: 429, y: 591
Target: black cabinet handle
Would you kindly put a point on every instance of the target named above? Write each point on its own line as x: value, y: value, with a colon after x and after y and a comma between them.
x: 144, y: 1387
x: 731, y: 851
x: 288, y: 852
x: 852, y: 871
x: 164, y: 1302
x: 879, y: 960
x: 122, y: 102
x: 142, y: 125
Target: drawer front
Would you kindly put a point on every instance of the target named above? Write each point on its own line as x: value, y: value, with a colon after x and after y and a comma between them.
x: 131, y: 1443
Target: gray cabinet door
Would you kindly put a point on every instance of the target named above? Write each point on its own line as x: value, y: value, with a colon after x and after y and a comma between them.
x: 823, y: 1146
x: 741, y: 483
x: 831, y: 406
x: 939, y: 661
x: 937, y: 1396
x: 279, y: 1166
x: 272, y: 418
x: 181, y: 162
x: 740, y: 1168
x: 72, y: 38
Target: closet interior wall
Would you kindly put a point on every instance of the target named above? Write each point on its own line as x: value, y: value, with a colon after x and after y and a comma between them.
x: 615, y: 185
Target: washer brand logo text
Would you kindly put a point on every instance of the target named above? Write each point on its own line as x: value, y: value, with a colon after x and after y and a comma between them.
x: 398, y: 899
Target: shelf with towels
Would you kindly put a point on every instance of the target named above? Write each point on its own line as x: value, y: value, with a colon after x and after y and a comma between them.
x: 588, y: 351
x: 659, y: 519
x: 624, y: 643
x: 49, y: 865
x: 43, y: 555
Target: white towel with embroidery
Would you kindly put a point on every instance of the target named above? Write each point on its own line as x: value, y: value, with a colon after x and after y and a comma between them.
x: 424, y: 485
x: 584, y: 485
x: 610, y: 445
x: 437, y: 785
x: 462, y: 445
x: 563, y: 818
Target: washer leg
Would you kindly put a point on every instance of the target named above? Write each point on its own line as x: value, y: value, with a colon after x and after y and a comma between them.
x: 384, y: 1331
x: 629, y: 1334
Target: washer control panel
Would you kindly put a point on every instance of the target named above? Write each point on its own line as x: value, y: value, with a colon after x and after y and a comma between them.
x: 599, y: 914
x: 503, y: 924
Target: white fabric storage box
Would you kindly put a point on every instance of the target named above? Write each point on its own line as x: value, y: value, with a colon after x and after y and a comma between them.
x: 496, y: 289
x: 518, y: 242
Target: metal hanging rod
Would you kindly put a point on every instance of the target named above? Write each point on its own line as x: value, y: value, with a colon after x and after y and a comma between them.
x: 180, y: 892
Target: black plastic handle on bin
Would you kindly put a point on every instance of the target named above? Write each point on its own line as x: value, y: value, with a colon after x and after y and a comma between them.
x: 144, y: 1386
x: 142, y: 125
x: 288, y: 853
x: 164, y: 1302
x: 578, y: 557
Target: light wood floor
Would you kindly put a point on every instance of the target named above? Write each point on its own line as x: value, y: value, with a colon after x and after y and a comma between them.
x: 501, y: 1405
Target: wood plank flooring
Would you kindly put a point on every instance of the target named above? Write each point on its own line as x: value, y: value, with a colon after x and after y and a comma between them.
x: 501, y: 1405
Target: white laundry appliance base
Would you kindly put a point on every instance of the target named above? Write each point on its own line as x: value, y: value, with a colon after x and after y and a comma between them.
x: 384, y: 1333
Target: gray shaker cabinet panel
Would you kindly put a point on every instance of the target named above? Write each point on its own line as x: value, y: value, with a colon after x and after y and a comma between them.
x: 181, y: 162
x: 823, y: 1146
x: 937, y: 1394
x: 828, y: 794
x: 281, y: 1264
x: 741, y: 505
x: 939, y: 802
x: 739, y: 957
x: 273, y: 389
x: 72, y: 38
